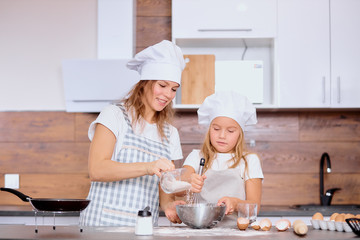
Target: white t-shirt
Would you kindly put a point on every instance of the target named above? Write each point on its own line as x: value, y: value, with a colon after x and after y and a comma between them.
x: 221, y: 163
x: 113, y: 118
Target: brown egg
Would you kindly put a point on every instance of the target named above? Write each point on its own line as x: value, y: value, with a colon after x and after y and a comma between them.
x: 265, y: 224
x: 340, y: 218
x: 242, y: 223
x: 333, y: 216
x: 282, y: 225
x: 318, y: 216
x: 255, y: 225
x: 349, y: 215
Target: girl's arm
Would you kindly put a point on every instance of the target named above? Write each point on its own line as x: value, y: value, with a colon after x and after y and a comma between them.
x: 103, y: 169
x: 253, y: 189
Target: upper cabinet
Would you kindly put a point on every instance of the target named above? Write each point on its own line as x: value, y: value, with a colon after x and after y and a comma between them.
x: 318, y: 51
x: 345, y: 53
x: 224, y: 19
x: 240, y: 34
x: 116, y: 29
x: 303, y: 49
x: 92, y: 84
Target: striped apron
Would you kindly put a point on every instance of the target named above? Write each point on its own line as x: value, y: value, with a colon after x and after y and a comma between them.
x: 117, y: 203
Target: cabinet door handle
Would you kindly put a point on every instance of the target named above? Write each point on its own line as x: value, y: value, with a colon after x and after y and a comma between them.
x: 324, y: 90
x: 338, y: 89
x: 225, y: 30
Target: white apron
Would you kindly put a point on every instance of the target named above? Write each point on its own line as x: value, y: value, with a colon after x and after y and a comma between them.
x: 223, y: 183
x: 117, y: 203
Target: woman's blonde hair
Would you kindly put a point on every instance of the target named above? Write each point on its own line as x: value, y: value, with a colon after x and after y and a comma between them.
x: 209, y: 152
x: 134, y: 100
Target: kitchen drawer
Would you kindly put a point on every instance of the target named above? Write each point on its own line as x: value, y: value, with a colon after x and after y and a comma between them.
x: 224, y: 19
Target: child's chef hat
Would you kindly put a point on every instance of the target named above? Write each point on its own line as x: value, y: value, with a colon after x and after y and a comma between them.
x: 162, y: 61
x: 227, y: 104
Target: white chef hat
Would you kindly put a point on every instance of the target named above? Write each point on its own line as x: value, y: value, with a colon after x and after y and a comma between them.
x: 227, y: 104
x: 162, y: 61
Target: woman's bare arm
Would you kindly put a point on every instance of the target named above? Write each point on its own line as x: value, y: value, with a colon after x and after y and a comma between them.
x: 102, y: 168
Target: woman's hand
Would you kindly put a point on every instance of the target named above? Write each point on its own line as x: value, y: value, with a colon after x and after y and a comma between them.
x: 158, y: 166
x: 230, y: 202
x: 197, y: 182
x: 170, y: 211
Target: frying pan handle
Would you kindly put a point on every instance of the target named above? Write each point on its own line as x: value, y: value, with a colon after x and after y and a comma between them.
x: 22, y: 196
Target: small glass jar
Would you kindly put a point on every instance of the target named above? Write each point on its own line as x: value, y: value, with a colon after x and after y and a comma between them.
x: 144, y: 225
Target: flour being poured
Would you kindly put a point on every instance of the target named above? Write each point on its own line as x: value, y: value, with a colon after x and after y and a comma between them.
x: 171, y: 185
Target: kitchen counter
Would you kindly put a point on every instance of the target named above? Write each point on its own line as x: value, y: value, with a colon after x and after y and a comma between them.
x: 18, y: 230
x: 24, y: 215
x: 266, y: 211
x: 118, y: 233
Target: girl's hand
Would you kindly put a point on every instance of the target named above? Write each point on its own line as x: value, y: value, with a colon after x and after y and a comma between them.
x: 197, y: 182
x: 158, y: 166
x: 170, y: 211
x: 230, y: 202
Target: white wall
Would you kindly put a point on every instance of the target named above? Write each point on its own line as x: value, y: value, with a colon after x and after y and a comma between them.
x: 35, y: 36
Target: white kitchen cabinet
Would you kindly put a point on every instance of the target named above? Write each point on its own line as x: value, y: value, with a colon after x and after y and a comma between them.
x: 303, y: 53
x: 224, y: 19
x: 345, y: 53
x: 317, y: 53
x: 116, y: 28
x: 233, y: 31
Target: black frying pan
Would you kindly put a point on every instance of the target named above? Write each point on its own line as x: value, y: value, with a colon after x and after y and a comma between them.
x: 51, y: 204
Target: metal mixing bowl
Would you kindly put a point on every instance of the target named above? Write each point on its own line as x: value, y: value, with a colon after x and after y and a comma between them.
x: 200, y: 215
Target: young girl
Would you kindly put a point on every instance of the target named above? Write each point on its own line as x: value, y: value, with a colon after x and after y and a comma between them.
x: 231, y: 174
x: 133, y: 142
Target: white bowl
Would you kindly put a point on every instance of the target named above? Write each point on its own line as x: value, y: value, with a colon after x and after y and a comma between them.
x: 331, y: 225
x: 315, y: 223
x: 339, y: 226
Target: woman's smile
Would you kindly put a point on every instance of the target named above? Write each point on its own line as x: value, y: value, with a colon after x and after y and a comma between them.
x: 162, y: 102
x: 159, y: 95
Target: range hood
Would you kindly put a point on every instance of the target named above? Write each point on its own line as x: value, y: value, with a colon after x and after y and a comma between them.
x: 90, y: 85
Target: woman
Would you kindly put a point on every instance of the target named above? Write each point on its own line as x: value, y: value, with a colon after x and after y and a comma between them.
x: 133, y: 142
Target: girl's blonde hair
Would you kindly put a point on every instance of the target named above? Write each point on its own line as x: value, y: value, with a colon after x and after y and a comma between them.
x: 210, y: 153
x: 134, y: 100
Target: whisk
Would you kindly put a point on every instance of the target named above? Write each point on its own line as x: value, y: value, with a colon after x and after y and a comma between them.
x: 200, y: 172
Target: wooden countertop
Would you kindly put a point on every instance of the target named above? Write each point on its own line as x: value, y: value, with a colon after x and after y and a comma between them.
x: 119, y: 233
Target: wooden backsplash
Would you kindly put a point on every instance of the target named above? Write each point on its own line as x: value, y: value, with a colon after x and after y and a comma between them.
x: 49, y: 149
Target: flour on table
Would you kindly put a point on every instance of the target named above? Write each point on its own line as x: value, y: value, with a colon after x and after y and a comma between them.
x: 216, y: 231
x: 187, y: 231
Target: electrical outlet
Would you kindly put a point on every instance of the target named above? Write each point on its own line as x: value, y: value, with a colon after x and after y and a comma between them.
x: 12, y: 181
